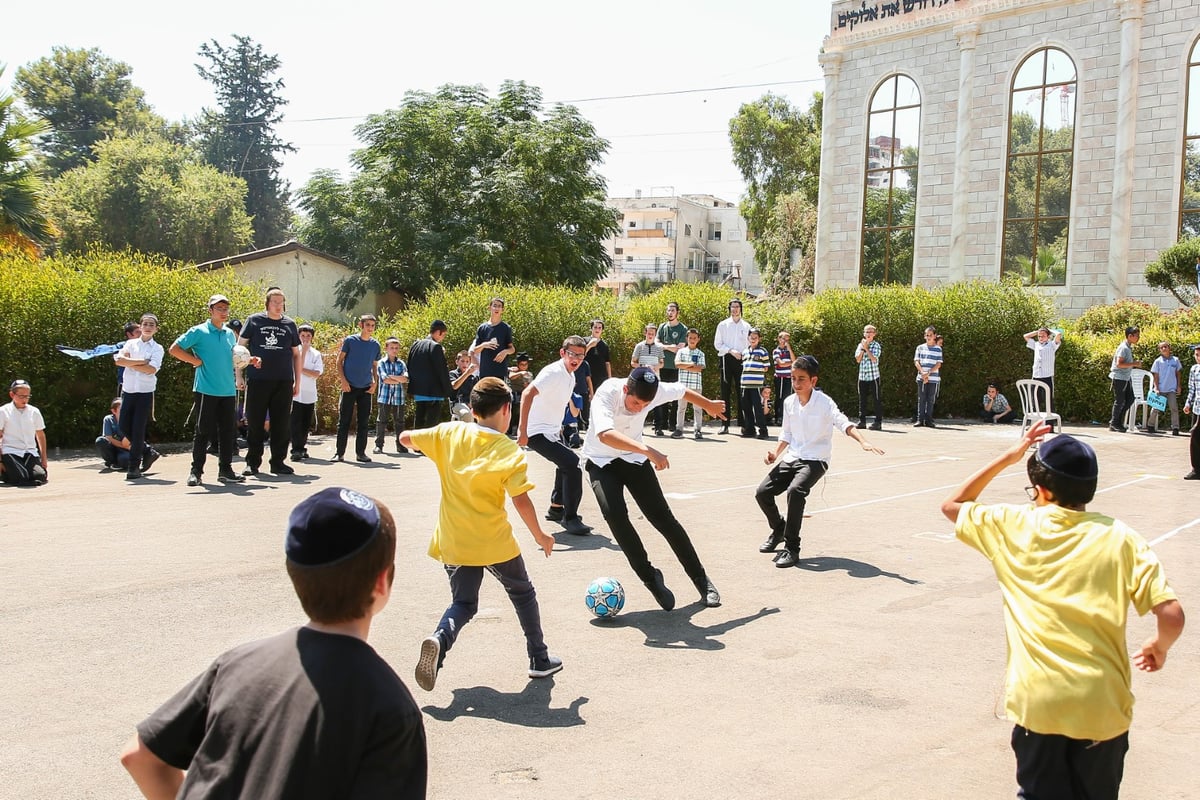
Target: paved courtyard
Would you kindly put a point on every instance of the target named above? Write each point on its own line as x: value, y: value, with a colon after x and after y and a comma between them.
x: 872, y: 671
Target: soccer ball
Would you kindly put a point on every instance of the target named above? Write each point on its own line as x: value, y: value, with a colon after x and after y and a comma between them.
x: 241, y: 356
x: 605, y: 597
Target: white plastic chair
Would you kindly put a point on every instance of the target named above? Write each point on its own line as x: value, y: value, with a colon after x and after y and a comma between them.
x: 1142, y: 383
x: 1035, y: 404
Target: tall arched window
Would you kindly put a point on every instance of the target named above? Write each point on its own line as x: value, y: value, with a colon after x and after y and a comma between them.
x: 890, y: 199
x: 1189, y: 198
x: 1037, y: 190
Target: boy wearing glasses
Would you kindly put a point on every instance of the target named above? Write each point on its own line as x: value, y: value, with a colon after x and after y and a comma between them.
x: 540, y: 428
x: 22, y: 438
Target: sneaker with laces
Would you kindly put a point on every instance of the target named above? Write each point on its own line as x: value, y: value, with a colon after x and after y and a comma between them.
x: 773, y: 541
x: 544, y: 667
x: 658, y: 588
x: 788, y: 558
x: 227, y: 475
x: 698, y: 436
x: 710, y: 595
x: 429, y: 662
x: 193, y: 479
x: 149, y: 459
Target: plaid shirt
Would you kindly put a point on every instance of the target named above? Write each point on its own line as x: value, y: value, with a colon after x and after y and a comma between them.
x: 1193, y: 388
x: 868, y: 370
x: 390, y: 394
x: 692, y: 380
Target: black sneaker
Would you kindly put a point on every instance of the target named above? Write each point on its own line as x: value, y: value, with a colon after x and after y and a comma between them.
x: 772, y: 543
x: 554, y: 514
x: 764, y: 435
x: 878, y: 426
x: 662, y: 594
x: 400, y: 448
x: 788, y: 558
x: 338, y: 457
x: 193, y: 479
x: 1192, y: 476
x: 149, y: 460
x: 544, y: 667
x: 429, y: 663
x: 132, y: 475
x: 229, y: 476
x: 363, y: 458
x: 282, y: 469
x: 862, y: 425
x: 1116, y: 429
x: 677, y: 434
x: 710, y: 596
x: 577, y: 526
x: 247, y: 472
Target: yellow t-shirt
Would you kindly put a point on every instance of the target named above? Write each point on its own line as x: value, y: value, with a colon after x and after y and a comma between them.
x: 477, y: 466
x: 1067, y: 578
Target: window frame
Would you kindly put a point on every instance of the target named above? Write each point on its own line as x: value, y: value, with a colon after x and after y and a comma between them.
x: 890, y: 229
x: 1191, y: 83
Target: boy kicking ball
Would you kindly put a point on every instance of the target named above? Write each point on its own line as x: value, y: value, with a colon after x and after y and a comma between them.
x: 478, y: 464
x: 805, y: 444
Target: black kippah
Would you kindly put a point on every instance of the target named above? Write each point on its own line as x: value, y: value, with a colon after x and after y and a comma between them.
x: 331, y: 526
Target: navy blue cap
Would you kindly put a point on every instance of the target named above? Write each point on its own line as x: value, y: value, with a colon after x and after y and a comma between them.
x: 331, y: 526
x: 644, y: 375
x: 1067, y: 456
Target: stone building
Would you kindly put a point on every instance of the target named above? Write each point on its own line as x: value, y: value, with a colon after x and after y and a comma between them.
x: 1056, y: 140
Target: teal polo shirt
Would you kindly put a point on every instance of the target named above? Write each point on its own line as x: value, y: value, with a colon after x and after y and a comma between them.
x: 214, y: 347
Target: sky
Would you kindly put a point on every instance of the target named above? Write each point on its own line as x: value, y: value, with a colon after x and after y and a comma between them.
x: 651, y: 77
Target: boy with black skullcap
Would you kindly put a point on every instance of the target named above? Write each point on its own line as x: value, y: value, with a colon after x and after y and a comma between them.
x: 313, y: 712
x: 478, y: 464
x: 1067, y: 576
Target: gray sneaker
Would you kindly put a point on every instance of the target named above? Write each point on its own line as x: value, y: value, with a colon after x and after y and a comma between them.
x: 429, y: 663
x: 544, y: 667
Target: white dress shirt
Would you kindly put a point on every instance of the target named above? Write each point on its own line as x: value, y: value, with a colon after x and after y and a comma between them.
x: 554, y: 386
x: 808, y: 429
x: 732, y: 336
x: 136, y: 382
x: 609, y: 414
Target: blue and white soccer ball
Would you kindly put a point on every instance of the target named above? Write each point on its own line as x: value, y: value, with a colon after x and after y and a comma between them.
x: 605, y: 597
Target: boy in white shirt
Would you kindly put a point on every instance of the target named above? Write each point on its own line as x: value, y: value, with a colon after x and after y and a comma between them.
x: 22, y: 438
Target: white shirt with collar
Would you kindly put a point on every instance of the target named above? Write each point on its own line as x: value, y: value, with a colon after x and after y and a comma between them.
x: 732, y: 336
x: 554, y: 385
x: 18, y: 429
x: 135, y: 382
x: 609, y: 414
x: 808, y: 429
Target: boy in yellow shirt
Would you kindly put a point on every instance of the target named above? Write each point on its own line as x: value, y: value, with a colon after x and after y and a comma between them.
x: 1068, y: 577
x: 478, y: 464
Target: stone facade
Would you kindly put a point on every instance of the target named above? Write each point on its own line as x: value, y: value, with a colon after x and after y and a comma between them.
x: 1130, y: 59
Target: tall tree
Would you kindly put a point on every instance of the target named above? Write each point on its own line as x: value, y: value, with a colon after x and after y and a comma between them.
x: 81, y: 94
x: 240, y: 139
x: 24, y: 225
x: 777, y: 148
x: 154, y: 196
x: 455, y: 185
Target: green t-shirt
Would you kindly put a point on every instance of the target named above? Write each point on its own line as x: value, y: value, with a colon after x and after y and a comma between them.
x: 671, y: 334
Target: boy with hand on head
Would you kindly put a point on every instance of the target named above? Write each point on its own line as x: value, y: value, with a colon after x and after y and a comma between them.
x: 22, y: 438
x: 810, y: 419
x: 478, y: 464
x: 869, y: 383
x: 781, y: 358
x: 1067, y: 578
x: 310, y: 713
x: 996, y: 407
x: 618, y: 460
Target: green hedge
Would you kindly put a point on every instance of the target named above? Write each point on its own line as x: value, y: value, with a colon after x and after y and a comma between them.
x: 84, y: 301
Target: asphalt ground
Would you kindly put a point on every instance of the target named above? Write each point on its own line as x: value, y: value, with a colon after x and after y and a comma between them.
x: 873, y: 670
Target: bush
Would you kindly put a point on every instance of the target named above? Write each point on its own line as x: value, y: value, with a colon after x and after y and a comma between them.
x: 83, y: 301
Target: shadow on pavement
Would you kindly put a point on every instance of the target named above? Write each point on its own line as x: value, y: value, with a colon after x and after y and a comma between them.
x: 530, y: 707
x: 675, y: 629
x: 855, y: 569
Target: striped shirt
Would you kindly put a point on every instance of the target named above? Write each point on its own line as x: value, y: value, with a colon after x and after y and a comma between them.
x: 390, y: 394
x: 692, y: 380
x: 782, y: 357
x: 648, y: 355
x: 754, y: 367
x: 928, y: 356
x: 868, y: 369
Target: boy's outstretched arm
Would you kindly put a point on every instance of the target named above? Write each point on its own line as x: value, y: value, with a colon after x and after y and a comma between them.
x: 156, y: 779
x: 973, y: 486
x: 1153, y: 654
x: 524, y: 507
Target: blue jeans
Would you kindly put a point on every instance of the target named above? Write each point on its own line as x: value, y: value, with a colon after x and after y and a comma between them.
x: 464, y: 591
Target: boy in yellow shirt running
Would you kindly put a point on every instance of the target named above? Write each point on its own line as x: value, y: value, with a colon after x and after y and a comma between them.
x: 1068, y: 577
x: 478, y: 464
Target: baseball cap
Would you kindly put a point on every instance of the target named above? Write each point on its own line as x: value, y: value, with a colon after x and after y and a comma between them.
x: 331, y: 526
x: 217, y: 298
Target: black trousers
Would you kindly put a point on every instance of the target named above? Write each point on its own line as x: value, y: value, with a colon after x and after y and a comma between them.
x: 568, y: 479
x: 215, y: 417
x: 1049, y: 385
x: 356, y: 401
x: 1195, y: 441
x: 1122, y: 400
x: 263, y: 396
x: 427, y: 413
x: 750, y: 411
x: 1054, y: 767
x: 136, y: 408
x: 664, y: 415
x: 783, y: 388
x: 302, y: 417
x: 797, y: 478
x: 869, y: 395
x: 609, y: 483
x: 731, y: 384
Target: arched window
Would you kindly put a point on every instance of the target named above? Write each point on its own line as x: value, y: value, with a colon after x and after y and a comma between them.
x: 1037, y: 189
x: 890, y: 198
x: 1189, y: 198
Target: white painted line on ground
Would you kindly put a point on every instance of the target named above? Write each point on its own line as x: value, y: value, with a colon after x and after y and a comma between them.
x: 694, y: 495
x: 1127, y: 483
x: 1180, y: 529
x: 906, y: 494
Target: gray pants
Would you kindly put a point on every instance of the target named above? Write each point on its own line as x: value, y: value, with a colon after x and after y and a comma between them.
x: 1173, y: 405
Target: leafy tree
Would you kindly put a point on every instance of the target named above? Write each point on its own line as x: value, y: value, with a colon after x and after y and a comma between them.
x: 240, y: 138
x: 791, y: 228
x: 1174, y: 271
x: 777, y: 148
x: 455, y: 186
x: 82, y: 95
x: 23, y: 221
x: 151, y: 195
